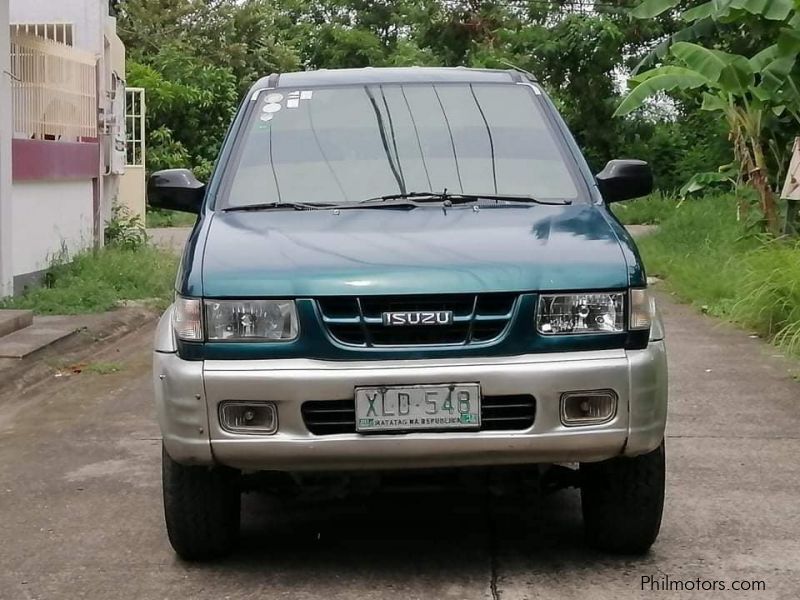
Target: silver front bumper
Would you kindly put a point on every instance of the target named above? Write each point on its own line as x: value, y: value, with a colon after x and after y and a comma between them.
x: 188, y: 394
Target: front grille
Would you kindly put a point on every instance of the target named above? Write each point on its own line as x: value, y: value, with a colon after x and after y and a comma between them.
x: 358, y: 321
x: 498, y: 413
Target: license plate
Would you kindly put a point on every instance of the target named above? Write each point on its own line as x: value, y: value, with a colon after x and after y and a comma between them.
x: 418, y: 407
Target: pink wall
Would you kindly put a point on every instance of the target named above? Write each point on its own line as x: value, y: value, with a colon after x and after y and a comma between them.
x: 35, y: 160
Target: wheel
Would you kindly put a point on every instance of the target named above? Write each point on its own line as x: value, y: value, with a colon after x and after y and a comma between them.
x: 622, y: 500
x: 202, y: 506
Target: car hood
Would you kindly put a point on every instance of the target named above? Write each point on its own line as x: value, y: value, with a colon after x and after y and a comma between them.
x: 422, y: 250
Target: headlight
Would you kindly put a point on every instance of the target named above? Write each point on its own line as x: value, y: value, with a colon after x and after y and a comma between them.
x: 590, y: 312
x: 256, y: 320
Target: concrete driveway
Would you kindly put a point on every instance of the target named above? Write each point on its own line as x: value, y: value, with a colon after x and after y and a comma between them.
x: 80, y: 502
x: 169, y: 238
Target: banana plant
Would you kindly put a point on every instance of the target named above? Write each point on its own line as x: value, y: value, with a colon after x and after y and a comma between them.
x: 702, y: 19
x: 728, y: 174
x: 778, y: 10
x: 746, y: 91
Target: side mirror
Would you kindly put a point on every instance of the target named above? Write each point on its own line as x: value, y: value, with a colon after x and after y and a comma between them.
x: 625, y: 179
x: 175, y: 189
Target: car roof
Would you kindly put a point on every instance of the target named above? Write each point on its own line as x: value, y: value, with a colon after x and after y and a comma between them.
x: 372, y: 75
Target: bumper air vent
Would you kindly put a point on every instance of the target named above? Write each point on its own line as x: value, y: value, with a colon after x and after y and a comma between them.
x: 498, y: 413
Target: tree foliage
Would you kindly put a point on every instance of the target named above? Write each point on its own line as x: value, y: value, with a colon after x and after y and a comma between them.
x: 189, y: 106
x: 197, y: 57
x: 755, y: 95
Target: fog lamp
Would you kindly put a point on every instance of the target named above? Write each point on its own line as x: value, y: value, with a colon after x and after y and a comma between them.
x: 248, y: 417
x: 588, y: 407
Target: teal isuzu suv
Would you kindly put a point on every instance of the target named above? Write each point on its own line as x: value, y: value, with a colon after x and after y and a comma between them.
x: 408, y: 269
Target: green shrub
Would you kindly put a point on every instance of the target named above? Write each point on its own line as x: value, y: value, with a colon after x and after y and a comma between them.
x: 709, y: 258
x: 98, y: 280
x: 694, y: 247
x: 124, y: 229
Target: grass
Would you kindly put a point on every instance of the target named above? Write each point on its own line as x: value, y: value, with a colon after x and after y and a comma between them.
x: 97, y: 281
x: 103, y: 368
x: 169, y: 218
x: 709, y: 258
x: 770, y: 295
x: 647, y: 211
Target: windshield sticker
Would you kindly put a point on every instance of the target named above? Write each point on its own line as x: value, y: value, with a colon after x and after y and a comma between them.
x: 274, y: 102
x: 264, y: 121
x: 296, y: 96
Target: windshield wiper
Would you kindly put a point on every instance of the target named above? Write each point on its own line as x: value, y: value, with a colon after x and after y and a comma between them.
x: 281, y: 205
x: 406, y: 200
x: 461, y: 198
x: 316, y: 206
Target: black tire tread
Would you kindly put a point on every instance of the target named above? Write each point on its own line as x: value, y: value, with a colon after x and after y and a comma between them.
x: 622, y: 501
x: 202, y: 507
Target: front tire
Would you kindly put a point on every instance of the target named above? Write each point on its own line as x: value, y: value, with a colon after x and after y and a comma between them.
x: 202, y: 506
x: 623, y: 500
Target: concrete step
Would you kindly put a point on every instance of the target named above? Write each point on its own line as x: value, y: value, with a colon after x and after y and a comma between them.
x: 40, y: 334
x: 14, y: 320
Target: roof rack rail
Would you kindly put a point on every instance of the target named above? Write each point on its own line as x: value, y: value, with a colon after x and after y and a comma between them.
x: 518, y: 69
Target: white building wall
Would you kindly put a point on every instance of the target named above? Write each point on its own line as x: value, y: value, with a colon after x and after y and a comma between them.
x: 50, y: 218
x: 6, y: 268
x: 87, y: 16
x: 41, y: 219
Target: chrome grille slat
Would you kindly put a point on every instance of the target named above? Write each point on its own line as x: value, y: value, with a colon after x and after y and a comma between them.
x: 477, y: 319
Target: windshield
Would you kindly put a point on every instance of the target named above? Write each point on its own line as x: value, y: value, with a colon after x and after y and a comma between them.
x: 349, y: 143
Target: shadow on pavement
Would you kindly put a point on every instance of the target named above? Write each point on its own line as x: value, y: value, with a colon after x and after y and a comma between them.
x: 401, y: 533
